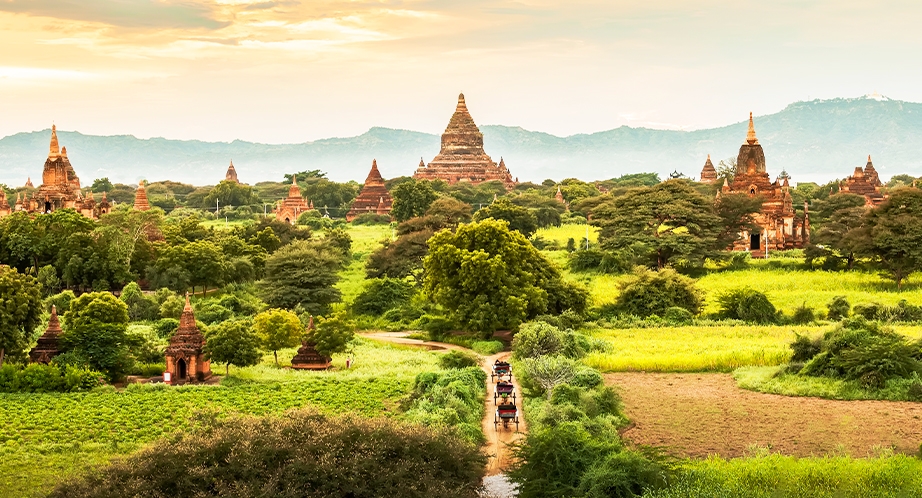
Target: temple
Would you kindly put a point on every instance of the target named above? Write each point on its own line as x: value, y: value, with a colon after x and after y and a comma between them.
x: 49, y: 343
x: 60, y: 188
x: 374, y: 197
x: 289, y: 208
x: 708, y: 173
x: 308, y: 358
x: 231, y: 175
x: 185, y: 360
x: 778, y: 225
x: 140, y: 198
x: 865, y: 182
x: 462, y: 158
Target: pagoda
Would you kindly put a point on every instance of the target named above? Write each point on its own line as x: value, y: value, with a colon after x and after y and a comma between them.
x: 48, y: 344
x: 289, y: 208
x: 462, y: 158
x: 374, y: 197
x: 865, y: 182
x: 140, y: 198
x: 184, y: 358
x: 308, y: 358
x: 708, y: 172
x: 29, y: 182
x: 778, y: 226
x: 5, y: 208
x: 231, y: 175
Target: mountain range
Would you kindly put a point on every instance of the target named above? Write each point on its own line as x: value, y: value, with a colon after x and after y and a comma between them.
x: 819, y: 140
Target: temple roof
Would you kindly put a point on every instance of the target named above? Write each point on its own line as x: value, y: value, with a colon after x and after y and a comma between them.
x: 751, y: 134
x: 140, y: 198
x: 188, y: 338
x: 231, y: 174
x: 53, y: 149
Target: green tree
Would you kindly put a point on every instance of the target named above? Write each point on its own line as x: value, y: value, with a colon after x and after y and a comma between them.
x: 96, y: 328
x: 302, y: 273
x: 332, y: 334
x: 140, y: 307
x: 736, y: 216
x: 450, y: 210
x: 652, y: 293
x: 102, y: 185
x: 844, y: 230
x: 670, y: 222
x: 574, y: 190
x: 20, y: 312
x: 896, y: 233
x: 519, y: 218
x: 412, y: 199
x: 126, y: 234
x: 304, y: 176
x: 400, y: 258
x: 330, y: 196
x: 233, y: 342
x: 48, y: 277
x: 229, y: 193
x: 278, y: 329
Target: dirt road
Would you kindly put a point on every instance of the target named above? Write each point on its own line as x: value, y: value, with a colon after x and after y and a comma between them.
x: 497, y: 439
x: 704, y: 414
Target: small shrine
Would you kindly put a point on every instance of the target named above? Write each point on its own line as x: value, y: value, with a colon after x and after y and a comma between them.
x: 291, y: 207
x: 865, y: 182
x: 374, y: 197
x: 308, y: 358
x: 140, y: 198
x: 48, y: 344
x: 231, y: 175
x: 708, y: 172
x: 184, y: 359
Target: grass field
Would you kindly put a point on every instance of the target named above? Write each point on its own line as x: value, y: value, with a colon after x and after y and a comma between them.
x: 564, y: 232
x: 721, y: 348
x: 365, y: 240
x: 763, y: 379
x: 46, y: 436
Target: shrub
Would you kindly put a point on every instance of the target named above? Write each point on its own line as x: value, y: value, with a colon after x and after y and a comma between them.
x: 61, y: 300
x: 584, y: 260
x: 540, y: 375
x: 870, y: 311
x: 436, y: 325
x: 458, y: 359
x: 678, y: 316
x: 172, y: 307
x: 838, y: 308
x: 587, y: 378
x: 805, y: 348
x: 371, y: 219
x: 803, y: 315
x: 210, y: 312
x: 140, y: 307
x: 453, y: 398
x: 746, y: 304
x: 301, y: 454
x: 165, y: 327
x: 914, y: 392
x: 536, y: 339
x: 381, y: 295
x: 487, y: 348
x: 652, y: 293
x: 38, y: 378
x: 625, y: 474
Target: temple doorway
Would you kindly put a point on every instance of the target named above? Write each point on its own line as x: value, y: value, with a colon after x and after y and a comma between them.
x: 47, y: 207
x: 181, y: 368
x: 754, y: 240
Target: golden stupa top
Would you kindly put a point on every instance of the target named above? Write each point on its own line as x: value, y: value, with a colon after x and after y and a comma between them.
x: 751, y: 134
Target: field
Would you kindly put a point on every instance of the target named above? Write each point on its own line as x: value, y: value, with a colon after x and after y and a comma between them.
x: 49, y: 435
x: 764, y: 379
x: 365, y: 239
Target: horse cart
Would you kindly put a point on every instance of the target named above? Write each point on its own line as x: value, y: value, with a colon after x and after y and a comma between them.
x: 504, y: 391
x: 501, y: 369
x: 506, y: 414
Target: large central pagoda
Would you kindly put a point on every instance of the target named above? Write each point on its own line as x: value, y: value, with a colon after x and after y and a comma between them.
x: 462, y: 158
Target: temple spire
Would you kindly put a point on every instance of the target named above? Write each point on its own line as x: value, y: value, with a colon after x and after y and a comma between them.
x: 188, y: 306
x: 751, y: 134
x: 461, y: 104
x: 53, y: 149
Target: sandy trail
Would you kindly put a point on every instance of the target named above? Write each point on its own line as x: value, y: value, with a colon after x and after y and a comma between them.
x: 707, y: 414
x: 496, y: 447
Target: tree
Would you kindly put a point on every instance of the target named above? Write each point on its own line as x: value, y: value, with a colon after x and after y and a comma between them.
x: 96, y: 328
x: 574, y: 190
x: 140, y: 307
x: 332, y: 334
x: 519, y: 218
x: 670, y: 222
x: 544, y: 373
x: 230, y: 193
x: 844, y: 228
x: 726, y: 171
x: 652, y: 293
x: 400, y: 258
x: 302, y: 273
x: 330, y: 195
x: 278, y: 329
x: 896, y: 233
x: 233, y: 342
x: 736, y: 216
x: 304, y: 176
x: 20, y: 312
x: 412, y: 199
x: 450, y: 210
x: 488, y: 276
x: 102, y: 185
x: 126, y: 233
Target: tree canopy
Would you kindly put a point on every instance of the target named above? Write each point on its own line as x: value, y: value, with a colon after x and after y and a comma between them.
x: 95, y: 330
x: 412, y: 198
x: 20, y: 312
x: 302, y: 273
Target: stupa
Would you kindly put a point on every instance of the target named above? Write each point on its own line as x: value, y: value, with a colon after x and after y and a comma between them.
x: 374, y: 197
x: 231, y: 175
x: 184, y: 358
x: 140, y: 198
x: 308, y: 358
x: 708, y: 172
x: 48, y: 344
x: 865, y: 182
x: 462, y: 158
x: 289, y: 208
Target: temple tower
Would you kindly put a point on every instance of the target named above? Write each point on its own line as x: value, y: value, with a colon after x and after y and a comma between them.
x: 184, y: 358
x: 374, y: 197
x: 140, y: 198
x: 290, y: 208
x: 48, y: 344
x: 708, y: 172
x: 231, y: 175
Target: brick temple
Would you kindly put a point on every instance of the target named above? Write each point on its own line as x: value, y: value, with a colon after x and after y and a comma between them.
x: 140, y: 198
x: 231, y: 175
x: 374, y: 197
x: 48, y: 345
x: 289, y: 208
x: 462, y: 158
x: 779, y: 226
x: 708, y: 172
x: 185, y: 360
x: 865, y: 182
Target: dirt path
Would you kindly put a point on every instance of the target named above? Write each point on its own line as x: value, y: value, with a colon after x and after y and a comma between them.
x: 704, y: 414
x: 497, y: 439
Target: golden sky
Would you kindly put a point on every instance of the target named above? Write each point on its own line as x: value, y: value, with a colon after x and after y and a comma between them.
x: 291, y: 71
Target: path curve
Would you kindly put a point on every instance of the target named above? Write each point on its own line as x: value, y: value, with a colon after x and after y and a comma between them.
x: 497, y: 445
x: 705, y: 414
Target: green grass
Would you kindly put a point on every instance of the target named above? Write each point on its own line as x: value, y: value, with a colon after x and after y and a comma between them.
x: 562, y: 233
x: 717, y: 348
x: 365, y: 240
x: 763, y: 379
x: 47, y: 436
x: 776, y: 476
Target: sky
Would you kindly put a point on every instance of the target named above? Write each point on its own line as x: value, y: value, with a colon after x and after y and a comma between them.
x: 290, y: 71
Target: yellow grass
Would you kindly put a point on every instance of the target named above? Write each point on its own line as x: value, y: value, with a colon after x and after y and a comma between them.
x: 562, y: 233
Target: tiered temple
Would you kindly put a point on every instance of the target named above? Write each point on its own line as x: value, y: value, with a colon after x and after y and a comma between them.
x: 865, y: 182
x: 140, y: 198
x: 374, y: 197
x: 289, y: 208
x: 308, y: 358
x: 49, y: 343
x: 462, y: 158
x: 231, y: 175
x: 779, y: 227
x: 708, y: 172
x: 185, y: 360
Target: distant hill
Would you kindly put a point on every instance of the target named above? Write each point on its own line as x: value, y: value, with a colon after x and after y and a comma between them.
x: 814, y: 141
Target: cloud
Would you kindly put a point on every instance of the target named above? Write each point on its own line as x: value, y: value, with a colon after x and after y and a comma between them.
x: 154, y: 14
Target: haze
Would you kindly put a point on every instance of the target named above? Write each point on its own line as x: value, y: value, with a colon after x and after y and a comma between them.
x: 290, y: 71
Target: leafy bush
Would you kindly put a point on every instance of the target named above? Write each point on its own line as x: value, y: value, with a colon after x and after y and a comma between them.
x: 381, y: 295
x: 587, y: 378
x: 746, y: 304
x: 540, y: 375
x: 838, y: 308
x: 436, y: 325
x: 805, y: 348
x: 458, y: 359
x: 165, y: 327
x: 38, y: 378
x: 870, y: 311
x: 453, y: 398
x: 61, y: 300
x: 585, y: 260
x: 371, y: 219
x: 678, y: 316
x: 140, y: 307
x: 625, y: 474
x: 803, y: 315
x: 487, y: 348
x: 302, y: 454
x: 536, y: 339
x: 902, y: 312
x: 210, y: 312
x: 652, y: 293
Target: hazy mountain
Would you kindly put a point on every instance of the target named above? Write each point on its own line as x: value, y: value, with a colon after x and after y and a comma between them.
x: 814, y: 141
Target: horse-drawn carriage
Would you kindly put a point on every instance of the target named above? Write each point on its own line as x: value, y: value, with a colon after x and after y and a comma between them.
x: 501, y: 369
x: 506, y: 414
x: 504, y: 391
